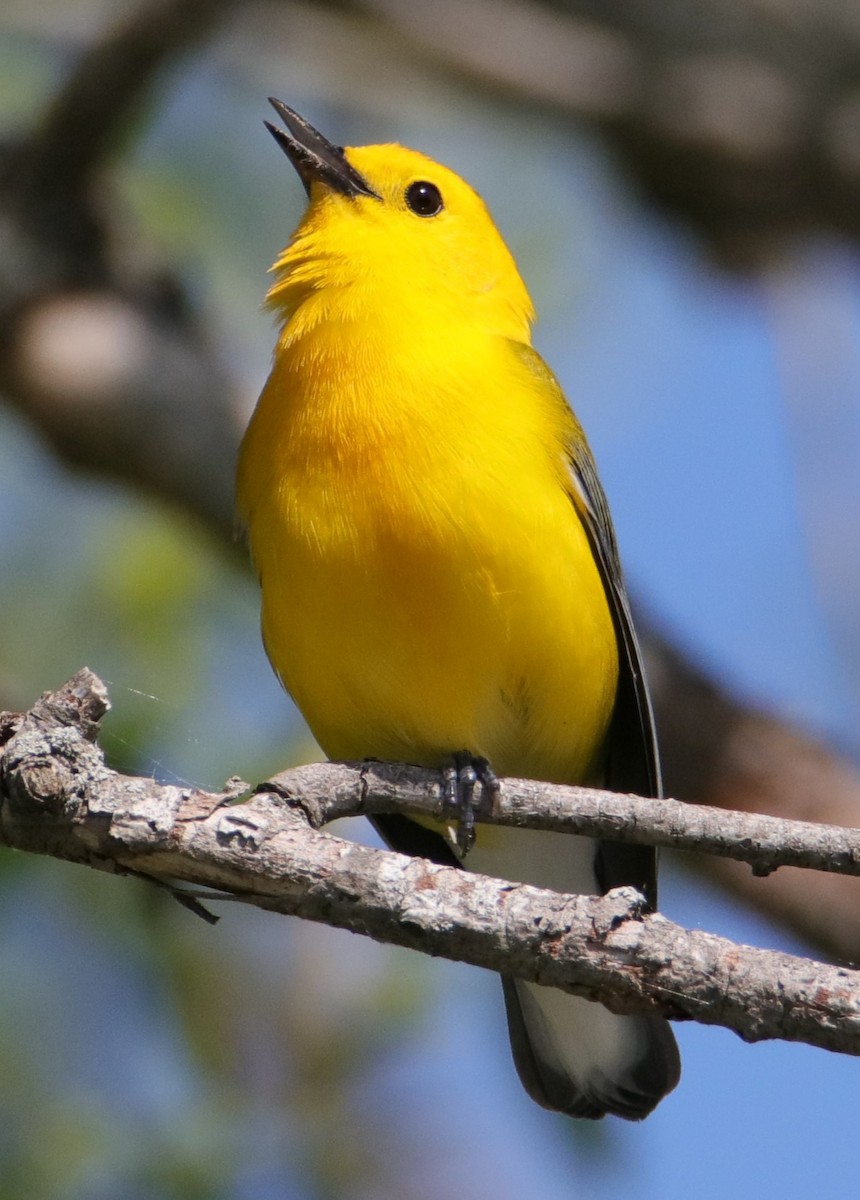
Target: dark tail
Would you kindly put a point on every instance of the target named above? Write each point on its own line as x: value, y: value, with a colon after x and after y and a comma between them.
x: 578, y: 1058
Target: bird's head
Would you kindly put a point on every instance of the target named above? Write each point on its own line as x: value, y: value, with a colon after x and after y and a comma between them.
x: 389, y: 230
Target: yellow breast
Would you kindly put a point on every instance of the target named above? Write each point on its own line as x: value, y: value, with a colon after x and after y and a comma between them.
x: 427, y: 585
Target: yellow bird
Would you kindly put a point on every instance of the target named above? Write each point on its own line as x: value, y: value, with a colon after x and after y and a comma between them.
x: 440, y: 579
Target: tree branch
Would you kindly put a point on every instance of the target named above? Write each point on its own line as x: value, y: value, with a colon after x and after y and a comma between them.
x: 58, y: 797
x: 326, y: 791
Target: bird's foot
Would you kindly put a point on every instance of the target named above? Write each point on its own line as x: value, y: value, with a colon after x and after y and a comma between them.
x: 460, y: 774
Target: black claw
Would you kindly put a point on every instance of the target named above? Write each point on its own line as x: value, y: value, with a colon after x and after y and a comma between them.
x: 459, y: 776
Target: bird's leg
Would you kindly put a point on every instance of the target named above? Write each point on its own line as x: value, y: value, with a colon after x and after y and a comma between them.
x: 461, y: 772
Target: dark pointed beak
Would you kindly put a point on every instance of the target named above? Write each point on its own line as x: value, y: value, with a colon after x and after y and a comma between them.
x: 314, y: 157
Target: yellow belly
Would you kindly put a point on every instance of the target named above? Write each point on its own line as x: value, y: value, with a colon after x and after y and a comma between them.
x: 406, y: 634
x: 427, y: 584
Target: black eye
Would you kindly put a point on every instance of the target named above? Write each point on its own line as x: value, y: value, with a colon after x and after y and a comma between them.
x: 424, y: 198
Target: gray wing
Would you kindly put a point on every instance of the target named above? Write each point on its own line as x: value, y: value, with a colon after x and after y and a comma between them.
x: 633, y: 763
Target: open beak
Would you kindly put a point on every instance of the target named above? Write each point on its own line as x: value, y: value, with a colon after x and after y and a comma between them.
x: 314, y: 157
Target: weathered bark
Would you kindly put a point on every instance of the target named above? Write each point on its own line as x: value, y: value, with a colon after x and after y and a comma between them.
x: 58, y: 797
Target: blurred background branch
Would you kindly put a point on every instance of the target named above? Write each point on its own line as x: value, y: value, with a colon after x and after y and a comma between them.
x: 744, y: 121
x: 99, y: 341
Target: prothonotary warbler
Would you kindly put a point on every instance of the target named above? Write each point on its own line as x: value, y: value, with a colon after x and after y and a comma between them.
x: 440, y: 578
